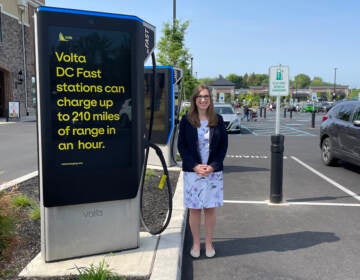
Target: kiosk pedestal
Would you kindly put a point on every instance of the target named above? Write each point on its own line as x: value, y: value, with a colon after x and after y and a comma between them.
x: 90, y: 129
x: 87, y: 229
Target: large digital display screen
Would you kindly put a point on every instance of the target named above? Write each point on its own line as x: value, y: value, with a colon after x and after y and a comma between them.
x: 89, y: 103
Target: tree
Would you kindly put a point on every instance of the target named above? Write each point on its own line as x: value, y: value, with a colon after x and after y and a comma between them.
x: 317, y: 81
x: 172, y: 51
x: 237, y: 80
x: 206, y: 81
x: 302, y: 81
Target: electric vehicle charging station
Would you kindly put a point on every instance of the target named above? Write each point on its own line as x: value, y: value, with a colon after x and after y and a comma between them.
x: 167, y: 83
x: 90, y: 69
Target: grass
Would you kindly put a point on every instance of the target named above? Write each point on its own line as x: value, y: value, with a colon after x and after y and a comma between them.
x: 7, y: 225
x: 100, y: 272
x: 9, y: 204
x: 22, y: 200
x: 149, y: 173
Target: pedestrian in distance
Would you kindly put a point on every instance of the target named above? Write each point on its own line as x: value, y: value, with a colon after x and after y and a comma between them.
x: 202, y: 144
x: 246, y: 112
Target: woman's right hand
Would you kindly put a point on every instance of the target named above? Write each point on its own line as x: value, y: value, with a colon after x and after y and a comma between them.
x: 202, y: 170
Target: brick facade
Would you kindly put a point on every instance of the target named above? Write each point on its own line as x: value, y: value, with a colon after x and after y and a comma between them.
x: 12, y: 59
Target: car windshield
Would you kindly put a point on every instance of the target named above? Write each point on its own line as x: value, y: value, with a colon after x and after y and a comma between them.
x: 224, y: 110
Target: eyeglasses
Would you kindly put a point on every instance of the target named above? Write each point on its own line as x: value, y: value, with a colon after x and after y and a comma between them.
x: 206, y: 97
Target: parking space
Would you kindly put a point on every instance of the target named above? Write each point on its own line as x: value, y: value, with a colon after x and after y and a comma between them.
x: 299, y: 125
x: 313, y: 234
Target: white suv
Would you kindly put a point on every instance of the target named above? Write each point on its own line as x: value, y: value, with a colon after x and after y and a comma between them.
x: 231, y: 119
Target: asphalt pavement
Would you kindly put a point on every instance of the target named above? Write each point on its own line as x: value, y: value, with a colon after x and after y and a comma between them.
x: 312, y: 234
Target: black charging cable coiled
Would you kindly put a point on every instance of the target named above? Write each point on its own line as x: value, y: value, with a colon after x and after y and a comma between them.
x: 148, y: 145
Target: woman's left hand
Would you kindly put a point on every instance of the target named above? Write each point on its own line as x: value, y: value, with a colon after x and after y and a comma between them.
x: 209, y: 169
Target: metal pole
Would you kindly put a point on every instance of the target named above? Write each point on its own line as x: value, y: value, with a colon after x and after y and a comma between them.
x: 334, y: 94
x: 277, y: 122
x: 192, y: 66
x: 276, y: 180
x: 24, y: 61
x: 174, y: 13
x: 313, y: 118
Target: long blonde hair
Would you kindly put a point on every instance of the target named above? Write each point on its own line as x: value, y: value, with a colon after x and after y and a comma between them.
x: 193, y: 113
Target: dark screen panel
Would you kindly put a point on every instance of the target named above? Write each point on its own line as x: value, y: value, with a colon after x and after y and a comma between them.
x: 89, y: 67
x: 163, y: 105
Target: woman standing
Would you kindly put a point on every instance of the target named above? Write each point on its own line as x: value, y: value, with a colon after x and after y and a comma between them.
x: 202, y: 144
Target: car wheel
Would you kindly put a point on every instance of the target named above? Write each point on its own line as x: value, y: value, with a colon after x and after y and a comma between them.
x: 326, y: 153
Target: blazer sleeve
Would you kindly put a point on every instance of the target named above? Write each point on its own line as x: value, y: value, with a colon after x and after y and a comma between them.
x: 185, y: 148
x: 221, y: 147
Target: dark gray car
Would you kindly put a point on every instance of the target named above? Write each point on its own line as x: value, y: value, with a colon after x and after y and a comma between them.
x: 340, y: 133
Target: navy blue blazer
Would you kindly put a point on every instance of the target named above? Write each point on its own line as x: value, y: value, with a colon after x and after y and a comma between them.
x: 188, y: 145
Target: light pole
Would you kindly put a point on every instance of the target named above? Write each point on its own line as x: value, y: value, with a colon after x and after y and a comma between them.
x: 174, y: 13
x: 21, y: 4
x: 191, y: 66
x: 334, y: 93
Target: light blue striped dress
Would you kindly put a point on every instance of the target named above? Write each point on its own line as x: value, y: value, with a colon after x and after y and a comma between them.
x: 203, y: 191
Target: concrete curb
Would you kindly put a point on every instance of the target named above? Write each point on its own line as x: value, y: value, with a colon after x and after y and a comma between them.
x: 168, y: 259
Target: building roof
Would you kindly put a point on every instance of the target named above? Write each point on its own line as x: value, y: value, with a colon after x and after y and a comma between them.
x: 221, y: 82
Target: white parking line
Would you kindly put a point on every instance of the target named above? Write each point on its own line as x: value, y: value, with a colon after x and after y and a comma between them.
x: 287, y: 203
x: 349, y: 192
x: 18, y: 180
x: 301, y: 131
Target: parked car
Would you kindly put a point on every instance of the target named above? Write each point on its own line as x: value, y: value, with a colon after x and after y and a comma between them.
x: 325, y: 106
x: 310, y: 107
x: 340, y: 133
x: 231, y: 119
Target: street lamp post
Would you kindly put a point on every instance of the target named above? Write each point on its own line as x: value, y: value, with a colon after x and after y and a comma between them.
x: 334, y: 93
x: 191, y: 67
x: 174, y: 13
x: 22, y: 6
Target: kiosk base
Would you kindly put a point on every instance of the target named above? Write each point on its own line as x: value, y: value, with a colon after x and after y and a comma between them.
x: 89, y: 229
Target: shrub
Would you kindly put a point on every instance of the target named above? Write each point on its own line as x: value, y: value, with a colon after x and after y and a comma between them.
x: 7, y: 225
x: 101, y: 272
x: 22, y: 200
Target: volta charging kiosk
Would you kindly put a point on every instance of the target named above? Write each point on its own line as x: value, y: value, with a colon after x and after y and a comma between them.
x: 166, y: 91
x: 90, y: 68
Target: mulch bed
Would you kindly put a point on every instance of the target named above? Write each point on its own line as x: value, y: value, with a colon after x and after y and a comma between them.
x: 27, y: 245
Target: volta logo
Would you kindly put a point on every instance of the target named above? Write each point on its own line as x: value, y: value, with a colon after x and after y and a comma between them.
x: 63, y: 38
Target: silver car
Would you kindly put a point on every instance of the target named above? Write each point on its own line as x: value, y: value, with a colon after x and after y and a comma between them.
x: 231, y: 119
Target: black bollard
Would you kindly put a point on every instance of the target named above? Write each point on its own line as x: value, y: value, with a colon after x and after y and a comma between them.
x: 264, y: 112
x: 277, y: 152
x: 313, y: 119
x: 261, y: 111
x: 291, y: 114
x: 284, y: 112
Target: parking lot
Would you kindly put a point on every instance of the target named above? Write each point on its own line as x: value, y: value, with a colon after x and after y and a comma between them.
x: 312, y: 234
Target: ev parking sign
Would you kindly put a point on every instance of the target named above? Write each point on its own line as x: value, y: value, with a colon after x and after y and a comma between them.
x: 279, y: 80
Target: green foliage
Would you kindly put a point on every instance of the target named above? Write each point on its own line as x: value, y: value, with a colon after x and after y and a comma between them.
x: 302, y: 81
x: 354, y: 94
x: 22, y: 200
x: 172, y: 51
x: 34, y: 212
x: 149, y: 173
x: 100, y: 272
x: 237, y: 80
x: 206, y: 81
x: 7, y: 223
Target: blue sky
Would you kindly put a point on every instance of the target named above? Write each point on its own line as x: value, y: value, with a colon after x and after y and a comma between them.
x: 231, y: 36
